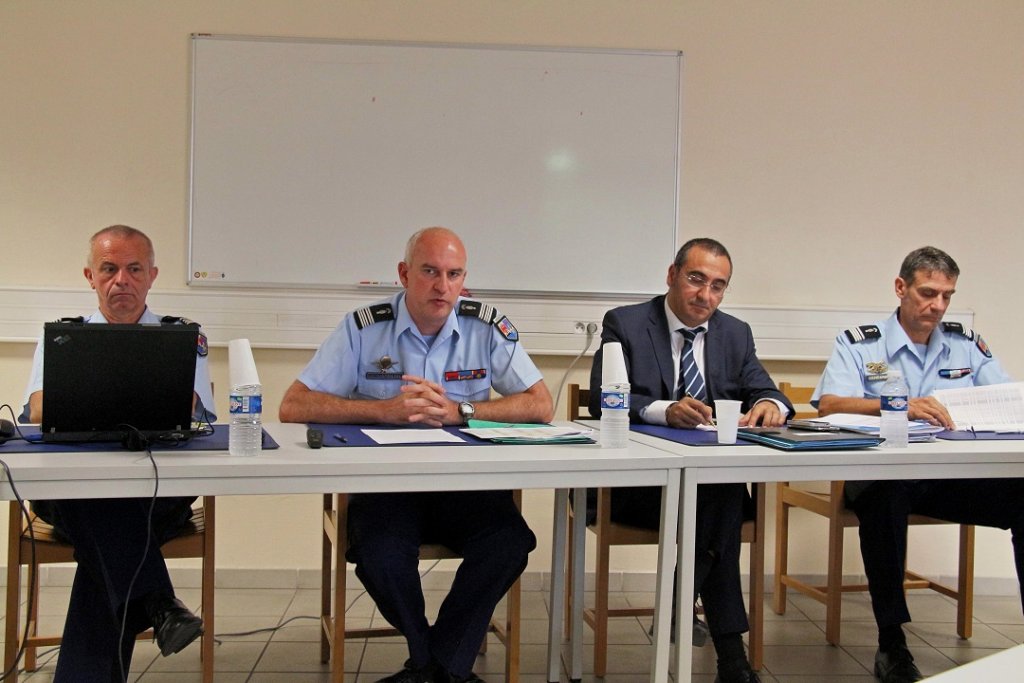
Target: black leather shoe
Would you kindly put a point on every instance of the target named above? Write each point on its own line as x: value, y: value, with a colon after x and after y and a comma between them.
x: 445, y: 677
x: 411, y: 674
x: 896, y: 666
x: 736, y: 671
x: 697, y: 639
x: 174, y: 625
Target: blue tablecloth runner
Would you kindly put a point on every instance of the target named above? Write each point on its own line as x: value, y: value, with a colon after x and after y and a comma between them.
x: 354, y: 436
x: 689, y: 437
x: 218, y: 441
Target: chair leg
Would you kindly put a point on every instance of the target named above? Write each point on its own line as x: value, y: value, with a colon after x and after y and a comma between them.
x: 13, y: 611
x: 834, y: 587
x: 601, y: 588
x: 756, y: 618
x: 340, y: 586
x: 568, y: 577
x: 781, y: 549
x: 325, y: 577
x: 513, y: 631
x: 965, y: 584
x: 208, y: 581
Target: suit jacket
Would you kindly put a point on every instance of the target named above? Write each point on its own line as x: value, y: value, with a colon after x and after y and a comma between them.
x: 731, y: 367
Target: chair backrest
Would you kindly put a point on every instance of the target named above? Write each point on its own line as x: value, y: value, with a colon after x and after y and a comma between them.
x: 578, y: 398
x: 799, y: 396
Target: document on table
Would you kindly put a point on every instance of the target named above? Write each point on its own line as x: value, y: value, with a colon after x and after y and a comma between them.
x: 990, y: 408
x: 532, y: 434
x: 391, y: 437
x: 917, y: 430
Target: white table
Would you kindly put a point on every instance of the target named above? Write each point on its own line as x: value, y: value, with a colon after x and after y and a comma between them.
x: 295, y: 468
x: 737, y: 464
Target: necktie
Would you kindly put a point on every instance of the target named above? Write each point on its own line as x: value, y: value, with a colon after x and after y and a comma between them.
x: 691, y: 383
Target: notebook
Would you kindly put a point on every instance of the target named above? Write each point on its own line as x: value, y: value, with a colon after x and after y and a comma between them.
x: 101, y: 381
x: 799, y: 440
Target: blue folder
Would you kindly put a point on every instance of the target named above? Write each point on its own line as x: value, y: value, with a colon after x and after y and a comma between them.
x: 788, y: 439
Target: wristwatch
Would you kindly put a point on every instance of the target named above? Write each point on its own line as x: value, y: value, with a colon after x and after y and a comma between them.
x: 466, y: 411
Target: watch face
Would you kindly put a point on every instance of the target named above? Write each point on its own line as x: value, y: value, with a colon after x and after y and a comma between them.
x: 466, y: 410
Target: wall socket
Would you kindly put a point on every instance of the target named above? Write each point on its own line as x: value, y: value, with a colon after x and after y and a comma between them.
x: 580, y: 327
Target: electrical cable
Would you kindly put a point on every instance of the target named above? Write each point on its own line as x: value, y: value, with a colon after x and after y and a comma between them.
x: 591, y: 331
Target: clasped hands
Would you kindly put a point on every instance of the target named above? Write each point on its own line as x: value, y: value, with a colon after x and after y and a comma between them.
x: 688, y: 413
x: 421, y: 401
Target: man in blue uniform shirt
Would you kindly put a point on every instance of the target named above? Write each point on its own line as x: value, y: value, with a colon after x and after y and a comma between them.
x: 931, y: 355
x: 110, y: 535
x: 428, y: 357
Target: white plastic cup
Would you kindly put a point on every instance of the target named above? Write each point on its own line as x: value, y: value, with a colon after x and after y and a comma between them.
x: 613, y: 364
x: 727, y: 417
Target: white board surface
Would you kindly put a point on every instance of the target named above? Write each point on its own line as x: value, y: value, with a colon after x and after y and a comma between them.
x: 312, y: 162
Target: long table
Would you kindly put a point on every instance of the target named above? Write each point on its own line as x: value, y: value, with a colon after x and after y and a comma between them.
x: 730, y: 464
x: 295, y: 468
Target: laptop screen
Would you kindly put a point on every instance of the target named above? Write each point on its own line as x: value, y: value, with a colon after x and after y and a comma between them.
x: 103, y: 381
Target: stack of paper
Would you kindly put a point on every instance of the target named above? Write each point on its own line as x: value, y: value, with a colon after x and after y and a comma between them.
x: 531, y: 434
x: 991, y: 408
x: 917, y: 430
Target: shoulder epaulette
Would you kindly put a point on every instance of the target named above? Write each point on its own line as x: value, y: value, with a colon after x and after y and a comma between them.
x: 958, y: 328
x: 863, y: 333
x: 77, y: 319
x: 490, y: 315
x: 377, y: 313
x: 202, y: 343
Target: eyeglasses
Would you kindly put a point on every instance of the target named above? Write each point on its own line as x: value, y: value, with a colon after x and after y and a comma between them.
x: 699, y: 281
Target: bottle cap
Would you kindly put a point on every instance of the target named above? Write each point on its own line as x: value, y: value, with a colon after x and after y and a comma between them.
x: 241, y: 365
x: 613, y: 364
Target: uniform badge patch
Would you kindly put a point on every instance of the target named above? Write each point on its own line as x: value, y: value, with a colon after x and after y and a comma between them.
x: 202, y: 346
x: 387, y: 369
x: 983, y: 347
x: 463, y: 375
x: 876, y: 371
x: 507, y: 329
x: 954, y: 373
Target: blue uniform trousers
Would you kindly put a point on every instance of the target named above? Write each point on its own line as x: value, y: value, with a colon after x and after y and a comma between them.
x: 484, y: 527
x: 721, y: 509
x: 109, y: 536
x: 883, y: 506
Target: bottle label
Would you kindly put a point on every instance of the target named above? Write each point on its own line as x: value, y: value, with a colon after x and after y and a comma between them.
x: 895, y: 403
x: 614, y: 400
x: 246, y: 405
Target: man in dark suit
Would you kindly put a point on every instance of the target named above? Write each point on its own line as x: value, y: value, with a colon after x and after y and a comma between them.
x: 682, y: 353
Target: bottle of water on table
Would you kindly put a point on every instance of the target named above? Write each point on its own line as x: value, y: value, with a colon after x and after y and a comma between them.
x: 895, y: 405
x: 245, y: 435
x: 614, y: 415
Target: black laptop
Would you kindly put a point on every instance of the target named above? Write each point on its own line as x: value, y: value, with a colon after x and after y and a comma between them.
x: 102, y: 382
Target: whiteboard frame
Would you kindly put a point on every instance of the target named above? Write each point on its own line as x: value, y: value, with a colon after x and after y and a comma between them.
x: 503, y: 291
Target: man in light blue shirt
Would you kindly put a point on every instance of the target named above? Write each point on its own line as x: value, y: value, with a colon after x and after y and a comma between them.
x: 931, y: 355
x: 111, y: 536
x: 427, y: 356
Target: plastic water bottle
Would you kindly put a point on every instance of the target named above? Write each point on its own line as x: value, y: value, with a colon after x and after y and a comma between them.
x: 614, y: 415
x: 245, y: 435
x: 895, y: 404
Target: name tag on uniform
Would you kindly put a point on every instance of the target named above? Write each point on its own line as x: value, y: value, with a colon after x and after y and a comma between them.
x: 462, y: 375
x: 954, y: 373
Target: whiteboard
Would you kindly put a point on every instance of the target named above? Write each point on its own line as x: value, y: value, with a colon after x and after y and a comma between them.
x: 313, y: 161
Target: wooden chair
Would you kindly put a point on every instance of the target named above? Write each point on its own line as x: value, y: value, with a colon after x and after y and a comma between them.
x: 609, y: 533
x: 197, y: 540
x: 332, y: 609
x: 831, y: 506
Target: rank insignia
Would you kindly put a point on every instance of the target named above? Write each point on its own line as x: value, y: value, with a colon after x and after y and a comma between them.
x: 877, y: 368
x: 463, y: 375
x: 954, y: 373
x: 863, y: 333
x: 374, y: 314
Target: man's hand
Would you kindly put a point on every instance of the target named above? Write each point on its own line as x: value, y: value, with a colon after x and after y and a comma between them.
x: 763, y: 414
x: 930, y: 409
x: 422, y: 402
x: 687, y: 413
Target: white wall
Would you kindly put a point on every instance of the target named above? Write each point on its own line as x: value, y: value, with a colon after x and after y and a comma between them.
x: 823, y: 139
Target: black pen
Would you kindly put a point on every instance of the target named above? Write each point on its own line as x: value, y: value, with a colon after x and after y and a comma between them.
x: 340, y: 438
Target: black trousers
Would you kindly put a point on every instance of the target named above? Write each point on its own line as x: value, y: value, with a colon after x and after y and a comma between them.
x: 883, y: 506
x: 721, y: 509
x: 109, y: 536
x: 484, y: 527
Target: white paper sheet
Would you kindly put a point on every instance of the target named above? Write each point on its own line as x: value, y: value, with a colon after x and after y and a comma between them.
x: 389, y: 437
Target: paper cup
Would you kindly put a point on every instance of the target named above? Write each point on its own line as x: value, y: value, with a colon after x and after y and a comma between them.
x: 613, y: 365
x: 241, y: 364
x: 727, y: 416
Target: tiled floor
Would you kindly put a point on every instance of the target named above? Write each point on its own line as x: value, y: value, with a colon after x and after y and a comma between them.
x: 795, y: 649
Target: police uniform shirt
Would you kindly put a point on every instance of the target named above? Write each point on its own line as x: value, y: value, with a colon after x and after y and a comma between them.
x: 954, y: 357
x: 467, y: 357
x: 203, y: 388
